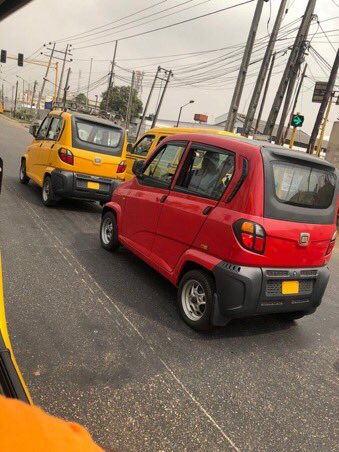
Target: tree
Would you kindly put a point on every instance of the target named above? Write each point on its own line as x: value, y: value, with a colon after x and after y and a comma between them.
x: 118, y: 100
x: 81, y: 99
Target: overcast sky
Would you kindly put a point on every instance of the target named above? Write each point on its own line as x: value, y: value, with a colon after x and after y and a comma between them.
x: 42, y: 21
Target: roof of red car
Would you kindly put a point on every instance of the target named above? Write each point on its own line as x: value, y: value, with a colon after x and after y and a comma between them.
x: 248, y: 145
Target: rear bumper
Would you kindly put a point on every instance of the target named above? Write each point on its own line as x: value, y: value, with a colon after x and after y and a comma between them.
x: 67, y: 184
x: 245, y: 291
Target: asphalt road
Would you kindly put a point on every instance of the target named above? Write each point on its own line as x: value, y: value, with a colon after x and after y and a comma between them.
x: 99, y: 341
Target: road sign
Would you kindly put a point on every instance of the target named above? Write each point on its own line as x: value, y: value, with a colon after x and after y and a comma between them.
x: 297, y: 120
x: 319, y: 92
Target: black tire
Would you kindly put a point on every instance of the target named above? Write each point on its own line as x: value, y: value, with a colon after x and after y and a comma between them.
x: 47, y: 194
x: 290, y: 316
x: 24, y: 179
x: 196, y: 317
x: 109, y: 232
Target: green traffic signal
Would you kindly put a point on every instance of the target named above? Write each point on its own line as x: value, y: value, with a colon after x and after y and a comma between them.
x: 297, y: 120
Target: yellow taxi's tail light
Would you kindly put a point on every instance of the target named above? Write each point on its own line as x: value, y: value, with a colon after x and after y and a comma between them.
x: 331, y: 244
x: 250, y: 235
x: 121, y: 167
x: 66, y: 156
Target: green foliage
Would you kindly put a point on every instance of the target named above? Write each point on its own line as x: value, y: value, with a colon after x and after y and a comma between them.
x: 81, y: 99
x: 118, y: 100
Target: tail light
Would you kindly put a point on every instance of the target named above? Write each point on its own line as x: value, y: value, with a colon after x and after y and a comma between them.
x: 66, y: 156
x: 332, y: 243
x: 121, y: 167
x: 250, y: 235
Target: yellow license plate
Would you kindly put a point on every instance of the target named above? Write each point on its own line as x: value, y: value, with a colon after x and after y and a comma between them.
x: 290, y: 287
x: 93, y: 185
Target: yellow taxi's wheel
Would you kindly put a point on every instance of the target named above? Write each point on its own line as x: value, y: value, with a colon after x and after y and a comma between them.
x: 109, y: 232
x: 24, y: 179
x: 48, y: 197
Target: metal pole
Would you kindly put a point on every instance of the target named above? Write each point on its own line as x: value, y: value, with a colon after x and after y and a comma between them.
x: 89, y: 80
x: 265, y: 94
x: 327, y: 95
x: 66, y: 89
x: 129, y: 103
x: 298, y: 47
x: 12, y: 99
x: 263, y: 69
x: 44, y: 81
x: 96, y: 101
x: 3, y: 96
x: 111, y: 76
x: 323, y: 128
x: 179, y: 116
x: 56, y: 67
x: 295, y: 103
x: 62, y: 73
x: 233, y: 110
x: 292, y: 137
x: 147, y: 102
x: 16, y: 96
x: 33, y: 94
x: 155, y: 118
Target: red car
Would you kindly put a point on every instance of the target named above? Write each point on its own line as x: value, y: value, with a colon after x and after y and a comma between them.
x: 240, y: 227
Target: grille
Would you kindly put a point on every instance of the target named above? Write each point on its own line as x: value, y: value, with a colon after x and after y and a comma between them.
x: 309, y: 272
x: 273, y: 287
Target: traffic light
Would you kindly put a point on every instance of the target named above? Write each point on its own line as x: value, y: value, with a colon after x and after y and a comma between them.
x: 20, y: 59
x: 3, y: 56
x: 297, y: 120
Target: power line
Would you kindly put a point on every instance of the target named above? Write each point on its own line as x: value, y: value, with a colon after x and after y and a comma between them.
x: 137, y: 20
x: 321, y: 28
x: 168, y: 26
x: 113, y: 22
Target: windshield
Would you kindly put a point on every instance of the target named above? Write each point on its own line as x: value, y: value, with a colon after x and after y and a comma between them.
x: 303, y: 186
x: 96, y: 137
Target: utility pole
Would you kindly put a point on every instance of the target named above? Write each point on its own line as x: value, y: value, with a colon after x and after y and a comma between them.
x: 148, y: 101
x: 263, y: 69
x: 111, y: 75
x: 295, y: 102
x: 89, y: 80
x: 155, y: 117
x: 79, y: 80
x: 265, y: 94
x: 292, y: 65
x: 37, y: 111
x: 62, y: 71
x: 66, y: 89
x: 322, y: 108
x: 33, y: 94
x: 233, y: 110
x: 16, y: 96
x: 129, y: 104
x: 323, y: 127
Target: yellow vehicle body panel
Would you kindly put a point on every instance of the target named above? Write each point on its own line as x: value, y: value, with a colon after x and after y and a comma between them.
x: 5, y: 335
x: 160, y: 133
x: 42, y: 155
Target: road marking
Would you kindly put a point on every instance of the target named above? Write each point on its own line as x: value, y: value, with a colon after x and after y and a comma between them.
x: 132, y: 325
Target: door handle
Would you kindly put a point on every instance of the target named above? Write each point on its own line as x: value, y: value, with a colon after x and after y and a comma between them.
x: 207, y: 210
x: 163, y: 198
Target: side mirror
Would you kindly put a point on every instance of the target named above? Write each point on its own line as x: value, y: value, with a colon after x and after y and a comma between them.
x: 129, y: 147
x: 33, y: 129
x: 1, y: 172
x: 138, y: 167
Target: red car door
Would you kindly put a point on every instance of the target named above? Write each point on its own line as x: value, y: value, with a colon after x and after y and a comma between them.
x: 146, y: 196
x: 204, y: 176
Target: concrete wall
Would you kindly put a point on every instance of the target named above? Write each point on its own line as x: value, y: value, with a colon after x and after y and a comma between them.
x: 332, y: 154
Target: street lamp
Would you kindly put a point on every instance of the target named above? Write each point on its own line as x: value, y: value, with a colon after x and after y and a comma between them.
x: 190, y: 102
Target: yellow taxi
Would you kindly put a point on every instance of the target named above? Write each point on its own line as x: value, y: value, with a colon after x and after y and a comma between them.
x: 75, y: 155
x: 150, y: 140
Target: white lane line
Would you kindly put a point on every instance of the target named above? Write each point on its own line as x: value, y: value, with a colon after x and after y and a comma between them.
x: 134, y: 327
